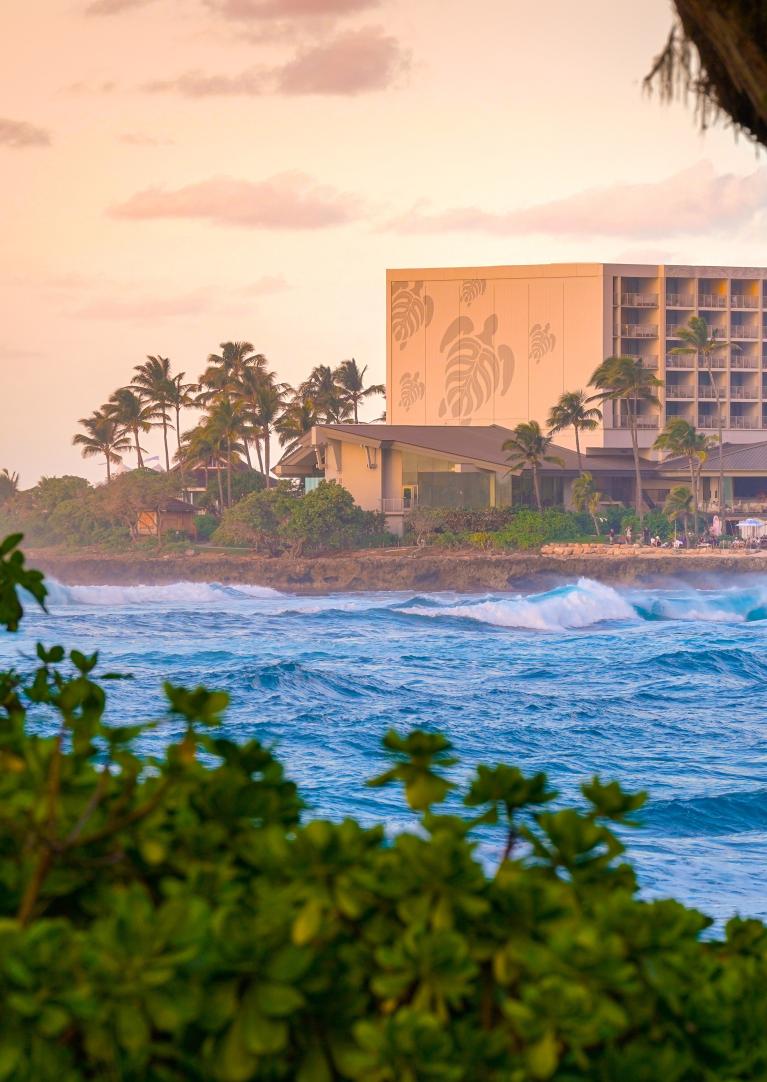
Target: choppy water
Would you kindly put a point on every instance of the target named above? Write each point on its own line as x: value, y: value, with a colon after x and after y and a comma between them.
x: 662, y: 689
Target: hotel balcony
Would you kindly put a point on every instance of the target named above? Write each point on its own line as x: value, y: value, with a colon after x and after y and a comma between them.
x: 640, y: 300
x: 680, y: 300
x: 750, y: 394
x: 681, y: 360
x: 637, y: 330
x: 749, y: 334
x: 687, y: 393
x: 708, y: 421
x: 712, y: 300
x: 751, y: 363
x: 710, y: 394
x: 743, y: 300
x: 743, y: 423
x: 648, y: 360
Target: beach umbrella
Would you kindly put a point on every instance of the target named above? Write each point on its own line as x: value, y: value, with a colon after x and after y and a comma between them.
x: 752, y: 527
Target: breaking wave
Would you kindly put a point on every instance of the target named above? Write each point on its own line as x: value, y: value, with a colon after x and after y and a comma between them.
x: 176, y: 593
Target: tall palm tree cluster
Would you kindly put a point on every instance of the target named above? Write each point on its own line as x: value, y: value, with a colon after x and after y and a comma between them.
x: 242, y: 403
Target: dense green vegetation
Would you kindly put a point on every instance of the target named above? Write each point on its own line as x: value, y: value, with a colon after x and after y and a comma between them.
x: 325, y: 519
x: 181, y: 918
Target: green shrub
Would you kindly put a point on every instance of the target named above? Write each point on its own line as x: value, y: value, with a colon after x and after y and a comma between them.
x: 182, y: 921
x: 206, y: 526
x: 531, y: 529
x: 328, y: 519
x: 258, y: 520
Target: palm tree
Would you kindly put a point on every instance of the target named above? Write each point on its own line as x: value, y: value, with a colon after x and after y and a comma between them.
x: 256, y: 387
x: 586, y: 497
x: 180, y: 396
x: 154, y: 384
x: 678, y: 504
x: 198, y: 447
x: 680, y: 438
x: 298, y: 418
x: 270, y: 403
x: 528, y: 449
x: 132, y: 415
x: 573, y: 411
x: 350, y: 378
x: 225, y: 368
x: 625, y: 379
x: 700, y: 342
x: 103, y: 436
x: 330, y: 402
x: 9, y: 485
x: 226, y: 425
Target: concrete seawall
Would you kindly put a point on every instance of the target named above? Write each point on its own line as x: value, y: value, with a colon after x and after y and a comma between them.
x: 401, y: 569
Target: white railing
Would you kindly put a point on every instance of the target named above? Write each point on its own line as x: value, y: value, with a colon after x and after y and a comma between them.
x: 640, y: 300
x: 743, y: 422
x: 672, y: 330
x: 680, y: 361
x: 749, y: 333
x: 740, y: 300
x: 643, y: 423
x: 680, y: 392
x: 647, y: 362
x: 712, y: 300
x: 394, y: 505
x: 750, y: 363
x: 709, y: 421
x: 744, y: 392
x: 679, y: 300
x: 633, y: 330
x: 709, y: 393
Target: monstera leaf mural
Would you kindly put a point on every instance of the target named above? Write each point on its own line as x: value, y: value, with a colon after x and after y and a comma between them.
x: 471, y: 289
x: 411, y: 309
x: 542, y: 341
x: 411, y: 389
x: 475, y: 370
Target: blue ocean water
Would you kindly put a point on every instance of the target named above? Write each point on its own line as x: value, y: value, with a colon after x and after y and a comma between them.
x: 663, y: 689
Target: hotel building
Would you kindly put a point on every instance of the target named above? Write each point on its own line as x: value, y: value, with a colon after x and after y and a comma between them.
x: 474, y: 351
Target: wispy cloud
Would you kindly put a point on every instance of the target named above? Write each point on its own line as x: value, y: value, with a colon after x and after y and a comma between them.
x: 353, y: 62
x: 268, y: 283
x: 19, y: 134
x: 696, y: 200
x: 140, y: 308
x: 258, y: 10
x: 285, y: 201
x: 114, y: 7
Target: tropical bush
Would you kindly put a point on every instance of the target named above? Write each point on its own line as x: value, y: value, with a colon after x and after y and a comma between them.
x: 180, y: 918
x: 324, y: 520
x: 64, y: 511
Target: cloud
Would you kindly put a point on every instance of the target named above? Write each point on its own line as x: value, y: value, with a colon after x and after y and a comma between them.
x: 114, y: 7
x: 354, y: 62
x: 284, y: 201
x: 696, y: 200
x: 268, y: 283
x: 20, y: 135
x: 257, y: 10
x: 136, y: 139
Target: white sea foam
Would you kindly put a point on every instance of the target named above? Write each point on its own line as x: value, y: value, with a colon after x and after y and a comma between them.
x: 574, y: 606
x: 170, y: 594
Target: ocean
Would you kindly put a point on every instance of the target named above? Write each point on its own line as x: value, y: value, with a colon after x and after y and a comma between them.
x: 662, y: 689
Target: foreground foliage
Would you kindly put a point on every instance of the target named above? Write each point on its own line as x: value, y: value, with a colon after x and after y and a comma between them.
x: 179, y: 919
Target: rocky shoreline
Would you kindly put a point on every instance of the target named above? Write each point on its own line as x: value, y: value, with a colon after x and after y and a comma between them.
x: 399, y: 569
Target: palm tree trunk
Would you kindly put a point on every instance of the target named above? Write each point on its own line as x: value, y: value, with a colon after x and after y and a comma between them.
x: 354, y: 401
x: 109, y: 470
x: 178, y: 428
x: 220, y: 486
x: 715, y: 388
x: 248, y: 459
x: 165, y: 439
x: 260, y: 456
x: 537, y: 487
x: 228, y: 471
x: 578, y: 448
x: 694, y: 490
x: 267, y: 454
x: 139, y: 458
x: 637, y: 468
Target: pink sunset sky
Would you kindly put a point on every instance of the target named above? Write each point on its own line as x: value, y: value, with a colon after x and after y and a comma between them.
x: 176, y: 173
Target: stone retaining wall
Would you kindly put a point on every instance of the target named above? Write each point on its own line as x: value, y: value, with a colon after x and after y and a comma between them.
x: 572, y: 548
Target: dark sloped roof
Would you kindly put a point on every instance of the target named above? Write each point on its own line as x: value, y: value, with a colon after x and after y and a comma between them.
x: 478, y: 443
x: 748, y: 457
